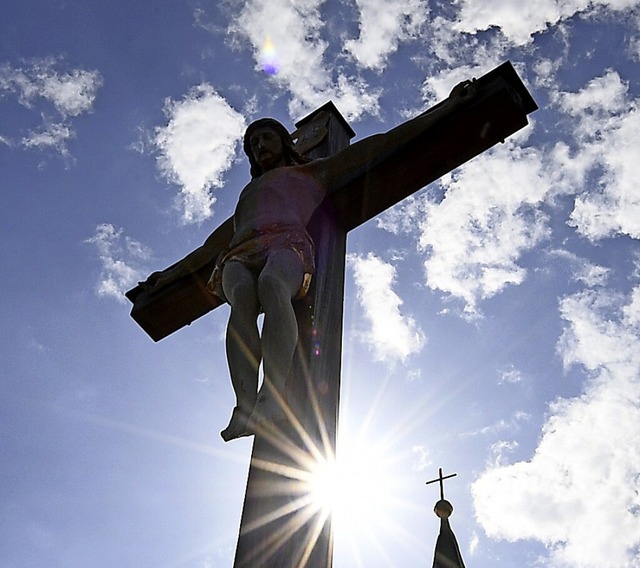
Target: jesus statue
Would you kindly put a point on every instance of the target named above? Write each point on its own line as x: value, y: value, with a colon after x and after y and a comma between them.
x: 270, y: 259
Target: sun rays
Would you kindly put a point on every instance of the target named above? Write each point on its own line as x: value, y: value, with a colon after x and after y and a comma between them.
x: 310, y: 493
x: 307, y: 495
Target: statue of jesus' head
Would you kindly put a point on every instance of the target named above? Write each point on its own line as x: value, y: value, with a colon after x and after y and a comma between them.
x: 291, y: 155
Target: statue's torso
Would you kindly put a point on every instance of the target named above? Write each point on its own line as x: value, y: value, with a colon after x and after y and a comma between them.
x: 284, y: 196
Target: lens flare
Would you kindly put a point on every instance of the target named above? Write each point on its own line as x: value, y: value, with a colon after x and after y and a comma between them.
x: 269, y: 58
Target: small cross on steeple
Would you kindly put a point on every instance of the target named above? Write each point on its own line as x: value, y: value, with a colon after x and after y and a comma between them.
x: 440, y: 478
x: 447, y: 553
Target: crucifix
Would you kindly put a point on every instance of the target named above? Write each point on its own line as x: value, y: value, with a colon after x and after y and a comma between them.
x: 295, y: 429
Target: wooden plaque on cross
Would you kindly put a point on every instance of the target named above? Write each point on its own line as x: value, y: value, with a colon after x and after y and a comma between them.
x: 280, y: 527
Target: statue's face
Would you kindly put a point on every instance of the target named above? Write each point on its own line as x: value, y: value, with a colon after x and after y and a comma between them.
x: 267, y: 148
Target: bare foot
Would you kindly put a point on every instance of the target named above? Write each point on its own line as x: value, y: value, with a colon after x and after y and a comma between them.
x: 266, y: 409
x: 238, y: 425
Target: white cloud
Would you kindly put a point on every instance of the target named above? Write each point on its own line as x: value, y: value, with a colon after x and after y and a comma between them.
x: 51, y: 135
x: 592, y: 274
x: 392, y: 336
x: 579, y: 493
x: 581, y: 269
x: 605, y: 125
x: 383, y: 25
x: 72, y: 93
x: 69, y: 92
x: 636, y: 265
x: 488, y: 217
x: 518, y: 21
x: 474, y: 543
x: 500, y: 449
x: 632, y: 310
x: 121, y: 259
x: 634, y: 41
x: 423, y: 456
x: 464, y: 57
x: 295, y: 33
x: 197, y: 147
x: 437, y: 87
x: 501, y: 425
x: 401, y: 217
x: 546, y: 71
x: 510, y: 375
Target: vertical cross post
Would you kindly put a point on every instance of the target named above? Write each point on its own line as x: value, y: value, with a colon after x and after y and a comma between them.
x: 281, y: 525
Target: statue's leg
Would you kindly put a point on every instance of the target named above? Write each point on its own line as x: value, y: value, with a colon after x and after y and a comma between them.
x: 242, y: 344
x: 278, y: 283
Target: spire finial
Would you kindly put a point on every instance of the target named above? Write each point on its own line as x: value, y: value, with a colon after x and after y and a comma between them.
x: 447, y: 554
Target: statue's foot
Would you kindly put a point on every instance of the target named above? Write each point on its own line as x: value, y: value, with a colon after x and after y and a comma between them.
x: 266, y: 410
x: 238, y: 425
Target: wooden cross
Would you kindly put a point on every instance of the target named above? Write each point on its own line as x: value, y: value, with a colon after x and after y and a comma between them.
x: 441, y: 479
x: 281, y: 527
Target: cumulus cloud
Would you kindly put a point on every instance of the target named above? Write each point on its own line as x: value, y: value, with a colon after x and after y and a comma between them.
x: 42, y: 86
x: 392, y: 336
x: 122, y: 261
x: 197, y: 146
x: 605, y: 126
x: 519, y: 21
x: 294, y: 30
x: 383, y: 25
x: 579, y: 493
x: 489, y: 216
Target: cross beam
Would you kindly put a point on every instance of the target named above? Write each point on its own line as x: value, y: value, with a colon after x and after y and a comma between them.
x: 281, y: 527
x: 499, y: 109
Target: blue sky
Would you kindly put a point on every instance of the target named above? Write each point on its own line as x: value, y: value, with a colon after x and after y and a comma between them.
x: 492, y: 321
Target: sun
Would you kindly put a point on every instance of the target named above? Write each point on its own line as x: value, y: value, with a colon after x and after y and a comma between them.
x: 353, y: 488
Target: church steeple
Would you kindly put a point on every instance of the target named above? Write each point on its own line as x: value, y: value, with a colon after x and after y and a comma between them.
x: 447, y: 554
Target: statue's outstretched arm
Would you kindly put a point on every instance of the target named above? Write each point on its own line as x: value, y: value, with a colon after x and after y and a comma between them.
x: 351, y: 162
x: 193, y: 261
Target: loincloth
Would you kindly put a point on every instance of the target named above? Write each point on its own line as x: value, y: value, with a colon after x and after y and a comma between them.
x: 253, y: 252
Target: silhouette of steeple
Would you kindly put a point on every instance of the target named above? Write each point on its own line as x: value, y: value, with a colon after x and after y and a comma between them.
x: 447, y: 554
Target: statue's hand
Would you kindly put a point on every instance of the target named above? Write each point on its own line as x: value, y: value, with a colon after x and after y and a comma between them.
x: 465, y: 90
x: 158, y: 279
